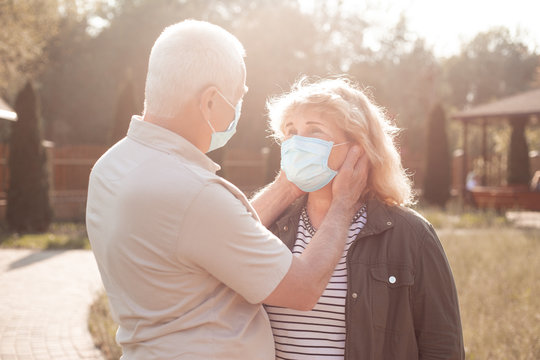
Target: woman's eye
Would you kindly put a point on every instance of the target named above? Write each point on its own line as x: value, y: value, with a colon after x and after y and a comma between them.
x: 291, y: 132
x: 316, y: 131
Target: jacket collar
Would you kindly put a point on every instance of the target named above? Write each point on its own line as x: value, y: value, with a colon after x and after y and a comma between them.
x: 379, y: 219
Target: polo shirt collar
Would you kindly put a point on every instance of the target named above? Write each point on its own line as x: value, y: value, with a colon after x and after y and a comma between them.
x: 161, y: 139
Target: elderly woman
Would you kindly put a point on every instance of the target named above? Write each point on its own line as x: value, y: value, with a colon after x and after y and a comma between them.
x: 392, y: 296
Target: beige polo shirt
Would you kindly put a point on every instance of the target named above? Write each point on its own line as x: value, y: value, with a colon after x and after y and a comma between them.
x: 183, y: 256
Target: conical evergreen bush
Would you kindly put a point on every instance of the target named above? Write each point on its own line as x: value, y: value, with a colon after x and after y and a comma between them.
x: 519, y: 172
x: 28, y: 207
x: 438, y: 174
x: 125, y: 108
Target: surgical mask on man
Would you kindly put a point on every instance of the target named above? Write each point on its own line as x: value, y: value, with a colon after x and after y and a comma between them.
x: 305, y: 162
x: 220, y: 138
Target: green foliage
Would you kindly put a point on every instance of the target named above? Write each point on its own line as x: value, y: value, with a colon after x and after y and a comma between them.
x: 405, y: 78
x: 30, y: 28
x: 493, y: 65
x: 60, y: 236
x: 28, y: 208
x: 438, y: 177
x: 103, y: 329
x: 454, y: 217
x: 125, y: 108
x: 85, y: 114
x: 480, y: 219
x: 518, y: 156
x: 27, y: 27
x: 495, y: 271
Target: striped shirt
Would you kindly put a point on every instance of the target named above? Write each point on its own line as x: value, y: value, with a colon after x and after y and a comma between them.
x: 320, y: 332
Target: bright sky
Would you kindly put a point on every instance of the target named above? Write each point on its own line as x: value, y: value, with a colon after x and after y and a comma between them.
x: 446, y: 23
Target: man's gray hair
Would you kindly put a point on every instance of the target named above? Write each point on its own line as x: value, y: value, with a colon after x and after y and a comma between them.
x: 187, y: 57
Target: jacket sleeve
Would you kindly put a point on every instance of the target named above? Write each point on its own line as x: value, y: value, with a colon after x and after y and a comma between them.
x: 435, y: 304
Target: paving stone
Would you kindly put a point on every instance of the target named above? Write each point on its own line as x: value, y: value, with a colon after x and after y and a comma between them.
x: 44, y: 304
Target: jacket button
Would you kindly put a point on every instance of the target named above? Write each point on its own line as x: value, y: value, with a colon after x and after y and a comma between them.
x: 389, y: 223
x: 392, y: 279
x: 354, y: 295
x: 285, y: 228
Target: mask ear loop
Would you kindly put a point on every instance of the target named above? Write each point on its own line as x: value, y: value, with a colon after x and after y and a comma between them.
x: 343, y: 143
x: 208, y: 121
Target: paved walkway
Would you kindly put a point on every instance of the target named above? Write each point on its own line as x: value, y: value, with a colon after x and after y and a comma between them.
x: 524, y: 219
x: 44, y: 302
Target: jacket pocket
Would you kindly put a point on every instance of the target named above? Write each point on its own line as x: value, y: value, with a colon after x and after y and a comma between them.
x: 390, y: 304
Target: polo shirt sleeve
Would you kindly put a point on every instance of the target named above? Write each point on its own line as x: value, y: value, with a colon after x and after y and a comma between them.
x: 220, y: 235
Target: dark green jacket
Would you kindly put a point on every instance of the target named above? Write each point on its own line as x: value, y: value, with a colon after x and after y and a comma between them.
x: 401, y: 299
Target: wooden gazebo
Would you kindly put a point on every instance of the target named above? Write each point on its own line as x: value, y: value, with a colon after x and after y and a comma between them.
x: 524, y: 108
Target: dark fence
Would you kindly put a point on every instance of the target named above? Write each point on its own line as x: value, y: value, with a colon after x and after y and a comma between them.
x: 69, y: 168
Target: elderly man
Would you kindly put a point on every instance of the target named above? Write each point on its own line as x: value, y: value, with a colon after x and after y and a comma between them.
x: 186, y: 260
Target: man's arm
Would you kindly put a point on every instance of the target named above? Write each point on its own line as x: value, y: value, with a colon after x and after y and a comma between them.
x: 309, y: 273
x: 273, y: 199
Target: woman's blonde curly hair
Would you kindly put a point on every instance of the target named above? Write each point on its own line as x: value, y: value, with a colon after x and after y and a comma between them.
x: 341, y: 101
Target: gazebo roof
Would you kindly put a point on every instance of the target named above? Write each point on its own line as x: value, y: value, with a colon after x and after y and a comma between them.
x: 522, y: 104
x: 6, y: 112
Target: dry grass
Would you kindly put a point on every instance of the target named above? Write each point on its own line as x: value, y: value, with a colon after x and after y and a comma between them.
x: 497, y: 275
x: 59, y: 236
x: 103, y: 329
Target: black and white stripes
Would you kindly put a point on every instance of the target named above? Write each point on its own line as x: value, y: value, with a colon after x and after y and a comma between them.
x: 319, y: 333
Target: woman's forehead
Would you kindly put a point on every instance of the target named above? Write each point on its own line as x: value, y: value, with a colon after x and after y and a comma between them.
x: 309, y: 117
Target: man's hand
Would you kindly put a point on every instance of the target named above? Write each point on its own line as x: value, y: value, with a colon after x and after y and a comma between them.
x: 283, y: 183
x: 272, y: 200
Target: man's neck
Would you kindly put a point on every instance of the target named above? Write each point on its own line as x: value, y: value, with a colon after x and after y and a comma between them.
x: 183, y: 125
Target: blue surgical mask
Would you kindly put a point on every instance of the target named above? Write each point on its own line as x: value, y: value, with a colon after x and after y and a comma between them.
x: 220, y: 138
x: 305, y: 162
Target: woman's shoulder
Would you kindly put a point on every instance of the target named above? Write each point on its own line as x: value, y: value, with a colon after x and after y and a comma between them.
x: 291, y: 212
x: 408, y: 218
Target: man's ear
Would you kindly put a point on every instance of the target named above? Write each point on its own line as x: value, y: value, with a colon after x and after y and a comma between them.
x: 207, y: 101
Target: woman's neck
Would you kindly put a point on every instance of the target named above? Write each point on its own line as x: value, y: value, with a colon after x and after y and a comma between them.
x: 317, y: 206
x: 319, y: 202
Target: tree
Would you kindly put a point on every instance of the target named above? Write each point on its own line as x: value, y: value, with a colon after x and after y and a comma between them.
x: 28, y: 208
x: 493, y: 65
x: 519, y: 172
x: 125, y: 108
x: 405, y: 78
x: 437, y: 179
x: 29, y: 27
x: 83, y: 114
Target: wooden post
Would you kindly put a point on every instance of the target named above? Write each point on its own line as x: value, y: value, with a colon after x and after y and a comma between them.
x: 484, y: 151
x: 464, y: 165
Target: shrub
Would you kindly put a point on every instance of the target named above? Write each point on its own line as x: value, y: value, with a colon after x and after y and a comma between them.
x: 103, y: 329
x: 519, y: 172
x: 28, y: 207
x: 437, y: 180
